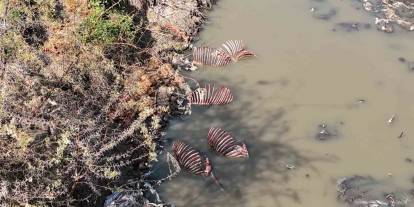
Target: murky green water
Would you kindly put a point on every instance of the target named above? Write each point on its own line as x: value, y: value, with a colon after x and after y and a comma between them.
x: 305, y: 74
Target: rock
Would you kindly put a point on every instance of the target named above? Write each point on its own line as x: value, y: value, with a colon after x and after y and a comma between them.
x: 206, y: 3
x: 384, y: 25
x: 138, y: 4
x: 179, y: 102
x: 368, y: 6
x: 365, y: 191
x: 182, y: 62
x: 118, y: 199
x: 408, y: 2
x: 163, y: 95
x: 142, y: 197
x: 174, y: 23
x: 391, y: 12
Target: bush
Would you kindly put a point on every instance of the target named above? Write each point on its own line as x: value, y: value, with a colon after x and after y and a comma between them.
x: 76, y: 125
x: 106, y: 27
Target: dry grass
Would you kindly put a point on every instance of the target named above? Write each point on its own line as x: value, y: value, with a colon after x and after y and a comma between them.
x: 80, y: 117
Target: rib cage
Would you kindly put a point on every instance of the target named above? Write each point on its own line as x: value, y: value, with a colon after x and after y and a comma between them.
x: 209, y: 95
x: 231, y: 50
x: 235, y: 50
x: 225, y: 144
x: 190, y: 159
x: 210, y: 56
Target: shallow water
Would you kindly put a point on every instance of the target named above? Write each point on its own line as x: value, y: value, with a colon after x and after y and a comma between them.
x: 305, y: 74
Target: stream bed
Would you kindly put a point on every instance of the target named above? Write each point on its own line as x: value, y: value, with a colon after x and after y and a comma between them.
x: 328, y: 96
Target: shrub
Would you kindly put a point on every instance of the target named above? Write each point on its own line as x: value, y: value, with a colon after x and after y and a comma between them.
x: 76, y: 125
x: 106, y: 27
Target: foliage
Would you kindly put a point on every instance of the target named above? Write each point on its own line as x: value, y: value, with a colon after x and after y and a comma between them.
x: 102, y: 28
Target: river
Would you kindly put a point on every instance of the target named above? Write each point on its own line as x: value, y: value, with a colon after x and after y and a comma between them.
x: 310, y: 70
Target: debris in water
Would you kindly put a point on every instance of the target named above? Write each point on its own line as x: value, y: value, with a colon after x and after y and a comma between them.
x: 351, y: 26
x: 325, y: 133
x: 290, y: 167
x: 357, y: 103
x: 361, y: 101
x: 401, y: 135
x: 391, y: 120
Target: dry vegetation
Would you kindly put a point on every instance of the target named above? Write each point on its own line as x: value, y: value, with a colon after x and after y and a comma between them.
x: 84, y: 100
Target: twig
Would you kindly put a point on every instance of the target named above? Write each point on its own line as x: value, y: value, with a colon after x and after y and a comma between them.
x: 109, y: 8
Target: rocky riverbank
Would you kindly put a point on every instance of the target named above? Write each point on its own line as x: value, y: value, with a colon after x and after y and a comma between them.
x: 87, y: 90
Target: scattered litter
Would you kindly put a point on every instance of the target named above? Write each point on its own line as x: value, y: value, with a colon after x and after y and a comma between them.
x: 401, y: 135
x: 325, y: 133
x: 389, y: 13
